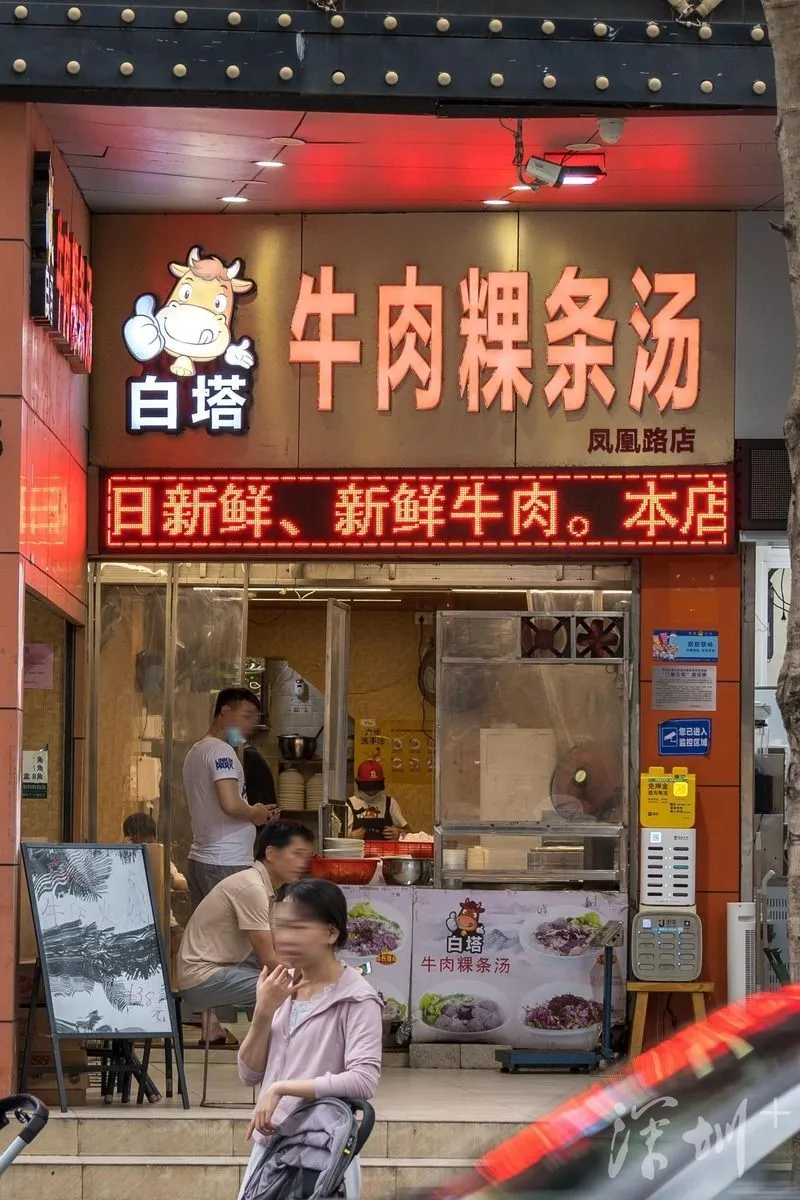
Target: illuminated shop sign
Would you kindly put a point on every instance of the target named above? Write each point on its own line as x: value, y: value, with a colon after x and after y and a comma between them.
x: 496, y: 365
x: 196, y: 374
x: 473, y: 514
x: 61, y: 278
x: 496, y: 315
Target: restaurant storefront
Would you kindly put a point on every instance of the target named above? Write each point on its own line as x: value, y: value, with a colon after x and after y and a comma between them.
x: 433, y: 484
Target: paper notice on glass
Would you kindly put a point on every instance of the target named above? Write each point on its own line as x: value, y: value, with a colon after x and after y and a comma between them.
x: 35, y: 774
x: 38, y: 665
x: 685, y: 689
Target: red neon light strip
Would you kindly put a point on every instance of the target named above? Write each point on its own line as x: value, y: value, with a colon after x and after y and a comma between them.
x: 477, y: 514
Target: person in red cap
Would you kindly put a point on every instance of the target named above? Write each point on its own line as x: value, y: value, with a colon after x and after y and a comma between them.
x: 372, y: 814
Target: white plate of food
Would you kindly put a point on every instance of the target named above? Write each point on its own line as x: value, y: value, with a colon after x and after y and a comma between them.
x: 473, y: 1012
x: 560, y: 933
x: 561, y: 1016
x: 373, y: 929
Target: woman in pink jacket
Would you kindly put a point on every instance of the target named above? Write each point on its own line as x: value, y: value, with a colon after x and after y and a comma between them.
x: 316, y: 1030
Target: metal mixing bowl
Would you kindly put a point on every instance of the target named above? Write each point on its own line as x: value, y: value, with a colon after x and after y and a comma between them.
x: 407, y: 872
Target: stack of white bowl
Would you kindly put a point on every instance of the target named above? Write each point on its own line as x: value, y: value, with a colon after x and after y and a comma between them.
x: 454, y: 860
x: 315, y: 792
x: 343, y: 848
x: 291, y: 790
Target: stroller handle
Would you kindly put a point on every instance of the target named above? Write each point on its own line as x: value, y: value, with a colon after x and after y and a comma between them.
x: 30, y: 1113
x: 365, y: 1125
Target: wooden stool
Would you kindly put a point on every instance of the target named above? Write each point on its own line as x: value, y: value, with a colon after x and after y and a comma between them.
x: 642, y: 990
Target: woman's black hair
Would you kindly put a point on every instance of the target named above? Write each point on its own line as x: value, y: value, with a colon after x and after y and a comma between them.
x: 320, y: 900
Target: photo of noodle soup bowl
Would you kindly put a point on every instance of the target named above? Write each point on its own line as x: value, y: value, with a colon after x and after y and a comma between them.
x: 560, y: 933
x: 561, y: 1017
x: 474, y: 1012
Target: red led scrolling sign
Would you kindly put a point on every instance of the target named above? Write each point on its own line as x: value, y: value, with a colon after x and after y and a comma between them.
x: 414, y: 514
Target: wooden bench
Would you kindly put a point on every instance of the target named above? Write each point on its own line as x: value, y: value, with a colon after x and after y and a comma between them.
x: 698, y: 990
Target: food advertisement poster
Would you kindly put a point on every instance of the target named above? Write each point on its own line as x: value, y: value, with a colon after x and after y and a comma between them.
x: 513, y: 968
x: 380, y: 921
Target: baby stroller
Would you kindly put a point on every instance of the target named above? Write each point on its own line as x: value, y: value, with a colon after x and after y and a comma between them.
x: 308, y: 1158
x: 32, y: 1116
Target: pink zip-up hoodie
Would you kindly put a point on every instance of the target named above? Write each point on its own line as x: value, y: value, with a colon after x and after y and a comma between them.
x: 338, y: 1045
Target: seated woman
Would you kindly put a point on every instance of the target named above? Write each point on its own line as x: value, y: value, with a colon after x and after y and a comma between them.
x: 316, y: 1030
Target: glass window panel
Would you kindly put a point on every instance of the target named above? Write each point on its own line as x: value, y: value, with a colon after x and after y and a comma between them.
x: 130, y: 704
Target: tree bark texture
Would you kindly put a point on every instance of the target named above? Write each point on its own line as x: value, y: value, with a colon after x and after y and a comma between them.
x: 783, y: 20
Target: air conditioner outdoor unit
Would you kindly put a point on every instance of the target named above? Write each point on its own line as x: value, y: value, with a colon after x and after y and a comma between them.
x: 742, y: 949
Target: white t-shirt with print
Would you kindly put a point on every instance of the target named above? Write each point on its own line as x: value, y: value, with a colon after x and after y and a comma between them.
x: 217, y: 839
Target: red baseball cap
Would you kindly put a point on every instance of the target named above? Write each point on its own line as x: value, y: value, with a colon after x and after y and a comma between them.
x: 370, y: 771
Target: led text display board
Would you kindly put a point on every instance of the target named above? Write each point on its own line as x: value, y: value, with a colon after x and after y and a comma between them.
x: 389, y: 514
x: 61, y: 278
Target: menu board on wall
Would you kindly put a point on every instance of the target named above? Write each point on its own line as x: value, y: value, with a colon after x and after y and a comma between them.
x: 405, y: 749
x: 380, y: 922
x: 513, y: 968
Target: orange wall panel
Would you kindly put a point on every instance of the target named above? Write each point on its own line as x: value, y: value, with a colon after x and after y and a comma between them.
x: 43, y: 410
x: 702, y: 593
x: 693, y: 593
x: 712, y: 911
x: 721, y: 766
x: 718, y: 839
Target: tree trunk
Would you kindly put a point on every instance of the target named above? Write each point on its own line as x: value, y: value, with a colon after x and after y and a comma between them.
x: 783, y: 20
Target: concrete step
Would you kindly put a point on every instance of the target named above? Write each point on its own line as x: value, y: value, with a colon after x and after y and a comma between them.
x: 197, y: 1134
x: 85, y: 1177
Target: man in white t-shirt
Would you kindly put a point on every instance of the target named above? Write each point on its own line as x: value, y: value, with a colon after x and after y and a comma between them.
x: 223, y: 823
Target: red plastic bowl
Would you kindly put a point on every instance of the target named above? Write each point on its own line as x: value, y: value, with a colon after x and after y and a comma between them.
x: 344, y: 871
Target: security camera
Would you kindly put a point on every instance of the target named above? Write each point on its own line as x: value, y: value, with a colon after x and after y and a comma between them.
x: 610, y: 129
x: 543, y: 172
x: 556, y: 174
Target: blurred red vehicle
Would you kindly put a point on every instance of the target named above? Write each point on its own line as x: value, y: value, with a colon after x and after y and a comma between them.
x: 692, y: 1119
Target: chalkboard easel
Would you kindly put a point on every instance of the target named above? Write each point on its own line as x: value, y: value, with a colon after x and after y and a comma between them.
x: 102, y: 961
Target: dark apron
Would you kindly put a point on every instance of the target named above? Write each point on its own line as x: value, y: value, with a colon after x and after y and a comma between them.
x: 373, y: 826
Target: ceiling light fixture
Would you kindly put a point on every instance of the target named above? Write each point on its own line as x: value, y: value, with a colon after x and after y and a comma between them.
x: 559, y: 174
x: 233, y: 199
x: 522, y: 187
x: 269, y: 164
x: 497, y: 203
x: 580, y: 176
x: 287, y: 141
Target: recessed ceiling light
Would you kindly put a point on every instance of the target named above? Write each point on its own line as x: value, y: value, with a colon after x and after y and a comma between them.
x: 522, y: 187
x: 233, y: 199
x: 583, y: 147
x: 268, y: 163
x: 497, y: 203
x: 287, y: 141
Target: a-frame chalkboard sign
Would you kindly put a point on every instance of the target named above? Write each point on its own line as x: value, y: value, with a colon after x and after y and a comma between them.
x: 101, y: 954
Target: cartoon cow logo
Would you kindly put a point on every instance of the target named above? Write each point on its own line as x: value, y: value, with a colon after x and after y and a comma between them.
x: 194, y: 324
x: 465, y: 928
